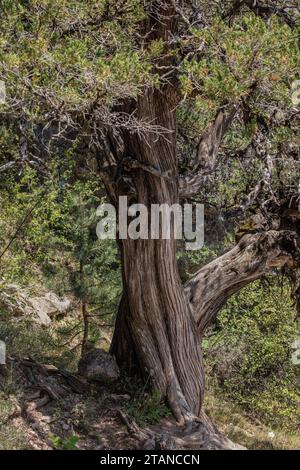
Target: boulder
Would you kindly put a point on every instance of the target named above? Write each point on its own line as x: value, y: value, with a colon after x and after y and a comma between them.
x: 49, y: 305
x: 99, y: 366
x: 20, y: 303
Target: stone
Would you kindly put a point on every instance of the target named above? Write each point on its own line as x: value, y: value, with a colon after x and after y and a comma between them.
x: 99, y: 366
x: 50, y: 304
x: 41, y: 309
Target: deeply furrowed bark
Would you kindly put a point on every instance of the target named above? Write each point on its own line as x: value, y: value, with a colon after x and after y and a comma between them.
x: 160, y: 327
x: 149, y: 337
x: 160, y: 323
x: 155, y: 330
x: 154, y: 312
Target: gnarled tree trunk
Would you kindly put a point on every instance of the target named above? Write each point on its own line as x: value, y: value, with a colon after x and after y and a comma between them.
x: 253, y: 257
x: 155, y: 327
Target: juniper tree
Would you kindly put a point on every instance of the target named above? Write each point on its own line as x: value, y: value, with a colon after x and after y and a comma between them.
x: 165, y: 99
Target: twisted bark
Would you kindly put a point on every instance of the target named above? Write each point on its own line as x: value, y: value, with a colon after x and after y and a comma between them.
x: 154, y: 313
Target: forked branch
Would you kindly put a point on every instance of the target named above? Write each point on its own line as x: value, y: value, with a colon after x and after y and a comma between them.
x: 206, y: 159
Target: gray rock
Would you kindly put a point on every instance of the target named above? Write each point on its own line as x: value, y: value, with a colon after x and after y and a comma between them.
x: 19, y: 302
x: 2, y: 92
x: 49, y: 306
x: 99, y: 366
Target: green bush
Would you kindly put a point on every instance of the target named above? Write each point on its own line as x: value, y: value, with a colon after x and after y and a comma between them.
x: 249, y: 353
x: 70, y: 443
x: 147, y: 409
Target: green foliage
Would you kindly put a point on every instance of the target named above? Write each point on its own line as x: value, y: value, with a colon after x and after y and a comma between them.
x: 70, y: 443
x: 57, y: 247
x: 67, y: 65
x: 249, y: 353
x: 62, y: 218
x: 24, y: 338
x: 242, y: 427
x: 237, y: 57
x: 71, y: 53
x: 147, y: 409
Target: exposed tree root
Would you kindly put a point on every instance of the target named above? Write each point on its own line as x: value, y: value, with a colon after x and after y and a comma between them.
x: 45, y: 382
x: 168, y: 435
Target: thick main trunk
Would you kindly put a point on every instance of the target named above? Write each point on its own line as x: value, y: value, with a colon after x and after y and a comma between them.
x: 155, y: 330
x: 155, y: 327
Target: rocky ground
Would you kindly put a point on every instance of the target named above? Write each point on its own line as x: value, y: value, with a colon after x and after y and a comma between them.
x: 46, y: 407
x: 54, y: 409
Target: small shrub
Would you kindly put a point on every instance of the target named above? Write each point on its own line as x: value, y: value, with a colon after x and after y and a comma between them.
x: 147, y: 409
x: 70, y: 443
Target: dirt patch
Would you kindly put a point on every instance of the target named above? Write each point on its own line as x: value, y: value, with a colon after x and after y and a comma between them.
x: 55, y: 409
